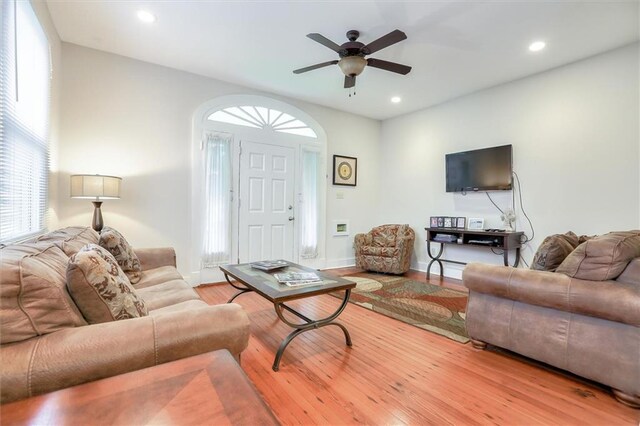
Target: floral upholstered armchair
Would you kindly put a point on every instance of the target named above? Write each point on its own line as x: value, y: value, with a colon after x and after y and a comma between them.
x: 385, y: 248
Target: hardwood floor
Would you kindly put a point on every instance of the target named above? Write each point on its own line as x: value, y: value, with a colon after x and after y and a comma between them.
x: 399, y: 374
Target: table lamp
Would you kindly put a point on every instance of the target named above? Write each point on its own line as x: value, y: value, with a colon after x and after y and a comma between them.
x: 96, y: 186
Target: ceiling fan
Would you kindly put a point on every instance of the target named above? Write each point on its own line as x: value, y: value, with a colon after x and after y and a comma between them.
x: 352, y: 55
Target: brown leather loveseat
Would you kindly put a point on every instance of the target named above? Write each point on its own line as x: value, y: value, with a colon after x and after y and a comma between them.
x: 584, y: 317
x: 46, y: 343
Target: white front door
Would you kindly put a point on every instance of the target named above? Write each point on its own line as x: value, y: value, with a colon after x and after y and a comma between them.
x: 266, y: 219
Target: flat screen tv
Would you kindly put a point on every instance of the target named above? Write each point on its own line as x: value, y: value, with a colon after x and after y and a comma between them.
x: 486, y: 169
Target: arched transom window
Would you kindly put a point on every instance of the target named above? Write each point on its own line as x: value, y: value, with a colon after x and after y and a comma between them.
x: 262, y: 118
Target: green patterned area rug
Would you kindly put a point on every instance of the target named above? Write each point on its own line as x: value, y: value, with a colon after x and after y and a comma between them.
x: 430, y: 307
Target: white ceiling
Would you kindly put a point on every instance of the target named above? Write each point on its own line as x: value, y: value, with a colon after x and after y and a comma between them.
x: 454, y: 47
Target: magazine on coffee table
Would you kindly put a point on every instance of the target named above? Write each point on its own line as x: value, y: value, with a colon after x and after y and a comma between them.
x: 269, y: 265
x: 293, y: 279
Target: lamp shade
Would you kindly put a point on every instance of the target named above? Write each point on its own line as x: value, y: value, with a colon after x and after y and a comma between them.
x: 95, y: 186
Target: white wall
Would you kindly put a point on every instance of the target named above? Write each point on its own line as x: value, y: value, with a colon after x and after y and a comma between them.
x: 576, y: 148
x: 42, y: 12
x: 133, y: 119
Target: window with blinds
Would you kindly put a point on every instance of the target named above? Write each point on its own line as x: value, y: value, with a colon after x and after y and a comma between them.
x: 25, y: 72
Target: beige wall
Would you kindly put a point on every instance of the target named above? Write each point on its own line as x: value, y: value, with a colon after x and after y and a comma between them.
x: 133, y: 119
x: 575, y: 136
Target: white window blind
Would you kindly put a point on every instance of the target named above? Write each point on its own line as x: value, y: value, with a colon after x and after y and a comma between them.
x: 217, y: 214
x: 25, y: 72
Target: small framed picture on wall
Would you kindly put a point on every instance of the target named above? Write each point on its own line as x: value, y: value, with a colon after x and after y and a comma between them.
x: 433, y: 221
x: 345, y: 170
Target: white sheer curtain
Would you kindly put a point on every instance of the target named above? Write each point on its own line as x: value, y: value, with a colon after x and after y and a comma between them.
x: 309, y: 208
x: 217, y: 200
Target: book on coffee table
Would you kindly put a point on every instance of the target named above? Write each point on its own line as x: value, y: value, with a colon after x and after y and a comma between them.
x: 293, y: 279
x: 269, y: 265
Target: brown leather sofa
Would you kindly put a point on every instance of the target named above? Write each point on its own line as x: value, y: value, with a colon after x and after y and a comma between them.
x: 48, y: 345
x: 583, y: 318
x: 386, y: 248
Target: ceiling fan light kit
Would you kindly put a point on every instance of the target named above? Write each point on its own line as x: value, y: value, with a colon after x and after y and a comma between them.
x: 352, y: 65
x: 352, y: 55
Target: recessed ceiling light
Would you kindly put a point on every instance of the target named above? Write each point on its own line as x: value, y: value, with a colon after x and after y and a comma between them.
x: 147, y: 17
x: 537, y: 46
x: 396, y: 99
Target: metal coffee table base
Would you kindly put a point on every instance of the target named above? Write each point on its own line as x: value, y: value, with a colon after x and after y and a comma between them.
x: 309, y: 324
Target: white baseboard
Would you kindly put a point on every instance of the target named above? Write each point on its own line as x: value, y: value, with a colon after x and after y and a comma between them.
x: 340, y: 263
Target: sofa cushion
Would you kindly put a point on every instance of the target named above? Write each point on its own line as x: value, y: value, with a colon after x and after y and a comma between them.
x: 122, y: 251
x: 156, y: 276
x: 380, y: 251
x: 100, y: 288
x: 33, y: 296
x: 385, y: 235
x: 187, y: 305
x: 72, y: 238
x: 631, y: 274
x: 602, y: 258
x: 553, y: 250
x: 166, y: 294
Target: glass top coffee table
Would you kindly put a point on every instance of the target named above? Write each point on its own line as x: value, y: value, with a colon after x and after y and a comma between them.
x: 248, y: 279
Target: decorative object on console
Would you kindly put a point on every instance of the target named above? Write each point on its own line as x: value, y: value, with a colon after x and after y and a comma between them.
x: 447, y: 222
x: 508, y: 218
x: 476, y: 223
x: 433, y: 221
x: 461, y: 222
x: 99, y: 187
x: 345, y: 170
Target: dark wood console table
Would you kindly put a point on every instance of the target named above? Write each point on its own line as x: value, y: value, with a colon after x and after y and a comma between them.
x: 504, y: 241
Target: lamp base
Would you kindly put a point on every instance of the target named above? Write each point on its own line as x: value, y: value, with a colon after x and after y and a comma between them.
x: 97, y: 222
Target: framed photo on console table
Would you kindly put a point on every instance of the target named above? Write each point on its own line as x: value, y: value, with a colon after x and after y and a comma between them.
x: 448, y: 222
x: 433, y: 222
x: 461, y: 222
x: 345, y: 170
x: 476, y: 223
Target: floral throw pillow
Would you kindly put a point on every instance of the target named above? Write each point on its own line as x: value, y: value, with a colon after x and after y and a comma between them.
x: 116, y: 244
x: 100, y: 289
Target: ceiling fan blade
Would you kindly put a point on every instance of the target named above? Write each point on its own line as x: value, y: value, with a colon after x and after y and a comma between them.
x: 315, y: 67
x: 325, y: 42
x: 349, y: 81
x: 388, y: 66
x: 393, y: 37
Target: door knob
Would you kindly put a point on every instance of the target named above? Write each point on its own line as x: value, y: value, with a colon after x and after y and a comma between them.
x: 291, y: 218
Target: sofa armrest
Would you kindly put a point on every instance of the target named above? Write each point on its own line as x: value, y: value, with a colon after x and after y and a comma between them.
x: 609, y: 300
x: 83, y: 354
x: 361, y: 240
x: 151, y: 258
